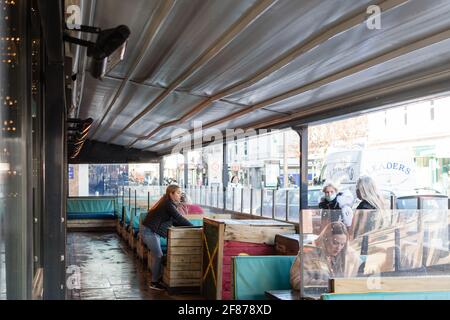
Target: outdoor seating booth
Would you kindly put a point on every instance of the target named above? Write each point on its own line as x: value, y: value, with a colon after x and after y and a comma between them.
x: 389, y: 254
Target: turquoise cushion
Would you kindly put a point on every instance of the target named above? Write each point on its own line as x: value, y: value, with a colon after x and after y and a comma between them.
x: 135, y: 213
x: 81, y: 216
x: 196, y: 222
x: 163, y: 242
x: 88, y: 208
x: 254, y: 275
x: 434, y: 295
x: 127, y: 216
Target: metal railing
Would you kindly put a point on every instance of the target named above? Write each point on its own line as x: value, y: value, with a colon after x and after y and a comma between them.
x: 269, y: 203
x: 278, y: 204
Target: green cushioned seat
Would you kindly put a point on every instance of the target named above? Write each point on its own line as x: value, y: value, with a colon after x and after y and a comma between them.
x: 117, y: 207
x: 433, y: 295
x: 88, y: 208
x: 163, y: 242
x: 196, y: 222
x: 135, y: 213
x: 254, y: 275
x: 127, y: 216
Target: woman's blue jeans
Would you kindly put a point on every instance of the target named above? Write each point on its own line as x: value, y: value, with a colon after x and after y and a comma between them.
x: 153, y: 243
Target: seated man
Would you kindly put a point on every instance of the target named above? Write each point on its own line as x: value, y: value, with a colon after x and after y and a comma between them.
x: 330, y: 257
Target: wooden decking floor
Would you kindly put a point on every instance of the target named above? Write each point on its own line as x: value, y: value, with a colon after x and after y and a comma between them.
x: 109, y: 270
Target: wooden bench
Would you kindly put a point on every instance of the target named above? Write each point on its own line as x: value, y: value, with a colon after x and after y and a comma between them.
x: 226, y: 238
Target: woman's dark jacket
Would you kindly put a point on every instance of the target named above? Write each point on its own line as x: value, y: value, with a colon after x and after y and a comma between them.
x: 333, y: 216
x: 163, y: 217
x: 364, y: 205
x: 330, y: 205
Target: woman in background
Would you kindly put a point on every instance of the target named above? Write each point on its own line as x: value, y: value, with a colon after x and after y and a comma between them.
x: 187, y: 207
x: 329, y: 257
x: 368, y: 193
x: 336, y: 206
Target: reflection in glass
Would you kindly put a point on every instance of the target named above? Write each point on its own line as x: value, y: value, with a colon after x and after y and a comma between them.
x: 380, y: 244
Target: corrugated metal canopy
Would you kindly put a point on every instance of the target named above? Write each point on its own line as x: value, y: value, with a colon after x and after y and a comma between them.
x: 243, y: 63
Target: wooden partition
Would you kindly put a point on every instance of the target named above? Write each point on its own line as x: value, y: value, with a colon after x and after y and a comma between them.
x: 183, y: 269
x: 225, y: 238
x: 390, y: 284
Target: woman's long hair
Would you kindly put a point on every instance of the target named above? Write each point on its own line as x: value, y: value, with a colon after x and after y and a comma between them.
x: 333, y: 228
x: 369, y: 192
x: 170, y: 189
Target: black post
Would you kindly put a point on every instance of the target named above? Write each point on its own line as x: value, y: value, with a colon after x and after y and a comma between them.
x: 363, y: 253
x: 135, y: 210
x: 393, y: 200
x: 123, y: 204
x: 54, y: 213
x: 129, y: 199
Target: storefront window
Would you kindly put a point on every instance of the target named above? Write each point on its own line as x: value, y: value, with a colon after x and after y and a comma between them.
x: 404, y: 149
x: 380, y: 254
x: 265, y: 161
x: 16, y: 177
x: 173, y: 169
x: 110, y: 179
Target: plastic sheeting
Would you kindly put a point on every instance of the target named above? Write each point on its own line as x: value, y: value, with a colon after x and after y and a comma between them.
x: 193, y: 26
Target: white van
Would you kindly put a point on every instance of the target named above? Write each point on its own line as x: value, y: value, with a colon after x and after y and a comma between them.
x: 393, y: 169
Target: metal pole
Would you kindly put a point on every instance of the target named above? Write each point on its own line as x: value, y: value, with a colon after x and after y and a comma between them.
x: 218, y: 195
x: 285, y: 161
x: 262, y: 201
x: 186, y: 168
x: 233, y: 199
x: 211, y: 198
x: 251, y: 200
x: 161, y: 171
x: 129, y: 199
x: 225, y: 173
x: 303, y: 134
x: 287, y: 205
x: 148, y: 200
x: 393, y: 200
x: 123, y: 204
x: 397, y: 250
x: 123, y: 195
x: 135, y: 209
x: 303, y: 163
x: 54, y: 160
x: 242, y: 200
x: 273, y: 203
